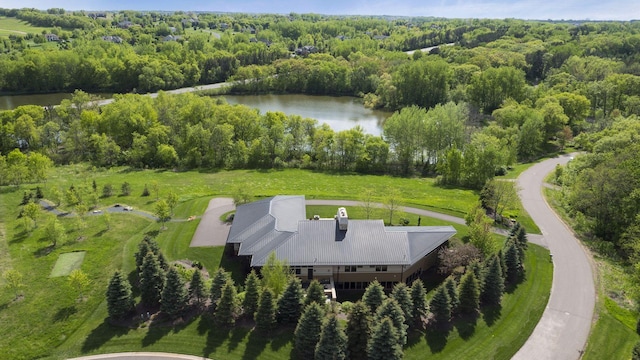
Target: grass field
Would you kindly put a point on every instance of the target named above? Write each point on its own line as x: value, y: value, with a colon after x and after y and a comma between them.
x: 9, y: 25
x: 67, y: 262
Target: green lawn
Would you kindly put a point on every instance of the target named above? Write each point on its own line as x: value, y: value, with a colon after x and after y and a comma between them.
x: 10, y: 25
x: 67, y: 262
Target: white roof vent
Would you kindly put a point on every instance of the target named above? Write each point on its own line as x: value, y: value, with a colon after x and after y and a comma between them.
x: 343, y: 219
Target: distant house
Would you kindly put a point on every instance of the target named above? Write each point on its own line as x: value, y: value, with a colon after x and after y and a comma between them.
x: 51, y: 37
x: 172, y: 29
x: 380, y: 37
x: 125, y: 24
x: 170, y: 38
x: 306, y: 50
x: 113, y: 39
x: 346, y: 253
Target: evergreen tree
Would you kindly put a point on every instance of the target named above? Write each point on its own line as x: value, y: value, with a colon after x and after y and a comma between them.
x: 521, y: 236
x: 383, y: 345
x: 174, y: 295
x: 514, y: 269
x: 315, y: 293
x: 493, y: 283
x: 440, y: 306
x: 392, y: 310
x: 219, y: 280
x: 358, y: 331
x: 373, y: 296
x: 469, y: 293
x: 251, y: 295
x: 119, y: 298
x: 402, y: 295
x: 514, y: 229
x: 452, y: 291
x: 307, y: 333
x: 266, y: 313
x: 152, y: 279
x: 290, y: 303
x: 196, y: 288
x: 228, y: 306
x: 143, y: 249
x: 635, y: 355
x: 148, y: 244
x: 333, y: 342
x: 478, y: 271
x: 419, y: 300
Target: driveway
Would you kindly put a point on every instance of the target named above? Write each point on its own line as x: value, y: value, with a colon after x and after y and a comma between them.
x: 565, y: 324
x: 211, y: 231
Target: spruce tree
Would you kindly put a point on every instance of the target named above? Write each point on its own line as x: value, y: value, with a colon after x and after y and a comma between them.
x: 196, y: 288
x: 174, y: 295
x: 152, y: 279
x: 521, y: 236
x: 419, y: 300
x: 402, y: 295
x: 307, y: 333
x: 119, y: 298
x: 392, y: 310
x: 143, y: 249
x: 228, y: 307
x: 358, y: 331
x: 440, y: 306
x: 478, y: 270
x: 469, y: 293
x: 373, y: 296
x: 290, y: 303
x: 251, y: 295
x: 333, y: 342
x: 383, y: 345
x: 452, y: 291
x: 148, y: 244
x: 512, y: 263
x: 266, y: 313
x: 315, y: 293
x: 493, y: 283
x: 219, y: 280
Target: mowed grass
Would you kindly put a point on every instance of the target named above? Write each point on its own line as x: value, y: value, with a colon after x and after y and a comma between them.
x: 10, y: 25
x: 67, y: 262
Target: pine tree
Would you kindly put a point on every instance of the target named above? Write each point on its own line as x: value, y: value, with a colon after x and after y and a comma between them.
x: 290, y: 303
x: 373, y: 296
x: 228, y: 307
x: 514, y: 230
x: 419, y: 300
x: 143, y: 249
x: 174, y: 295
x: 402, y: 295
x: 392, y: 310
x: 521, y: 236
x: 452, y: 291
x: 266, y: 313
x: 219, y: 280
x: 307, y: 333
x: 148, y: 244
x: 251, y: 295
x: 512, y: 263
x: 493, y: 283
x: 358, y: 331
x: 383, y: 345
x: 478, y: 271
x: 469, y: 293
x: 152, y: 279
x: 333, y: 342
x: 119, y: 298
x: 440, y: 306
x: 315, y: 293
x: 196, y: 288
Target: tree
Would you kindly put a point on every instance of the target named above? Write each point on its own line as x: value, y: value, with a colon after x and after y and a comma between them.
x: 499, y: 195
x: 106, y: 217
x: 31, y: 211
x: 511, y: 258
x: 635, y: 355
x: 13, y: 281
x: 373, y: 296
x: 161, y: 210
x: 457, y: 258
x: 404, y: 131
x: 383, y: 345
x: 152, y: 278
x: 79, y: 281
x: 315, y: 293
x: 275, y: 274
x: 120, y: 301
x: 333, y: 342
x: 155, y: 187
x: 290, y: 303
x: 172, y: 201
x: 307, y: 333
x: 366, y: 202
x: 440, y: 306
x: 145, y: 191
x: 228, y: 306
x: 56, y: 232
x: 220, y: 279
x: 266, y: 313
x: 149, y: 245
x: 252, y: 294
x: 469, y: 291
x: 493, y: 283
x: 125, y: 189
x: 452, y: 291
x: 55, y: 195
x: 392, y: 203
x: 392, y: 310
x: 196, y: 288
x: 419, y: 301
x: 174, y: 297
x: 402, y: 294
x: 358, y: 331
x: 480, y: 234
x: 107, y: 190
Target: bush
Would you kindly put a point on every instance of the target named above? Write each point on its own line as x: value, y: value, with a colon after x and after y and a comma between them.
x: 107, y: 191
x: 145, y: 192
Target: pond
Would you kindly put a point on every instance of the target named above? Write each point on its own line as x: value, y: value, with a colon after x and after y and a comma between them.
x: 10, y: 102
x: 340, y: 113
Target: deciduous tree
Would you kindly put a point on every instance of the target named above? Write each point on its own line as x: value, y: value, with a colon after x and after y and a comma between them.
x: 79, y: 282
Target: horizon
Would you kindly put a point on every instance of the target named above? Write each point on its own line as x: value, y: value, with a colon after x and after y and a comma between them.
x: 569, y: 10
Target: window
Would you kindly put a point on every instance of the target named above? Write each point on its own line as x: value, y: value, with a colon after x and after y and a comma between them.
x: 298, y: 271
x: 349, y: 268
x: 381, y: 268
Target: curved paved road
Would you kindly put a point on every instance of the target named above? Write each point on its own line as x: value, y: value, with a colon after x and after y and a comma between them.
x: 564, y: 327
x: 141, y: 356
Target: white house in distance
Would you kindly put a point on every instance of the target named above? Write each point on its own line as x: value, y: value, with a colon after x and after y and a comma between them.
x: 346, y: 253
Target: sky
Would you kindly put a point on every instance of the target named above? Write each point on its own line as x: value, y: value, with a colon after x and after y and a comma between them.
x: 520, y: 9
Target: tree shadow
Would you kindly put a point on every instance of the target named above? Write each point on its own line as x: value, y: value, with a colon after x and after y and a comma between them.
x: 255, y: 345
x: 100, y: 233
x: 152, y: 233
x: 64, y: 313
x: 282, y: 338
x: 133, y: 280
x: 414, y: 337
x: 155, y: 333
x: 237, y: 335
x: 19, y: 237
x: 43, y: 251
x: 215, y: 338
x: 491, y: 314
x: 466, y: 325
x: 101, y: 334
x: 437, y: 337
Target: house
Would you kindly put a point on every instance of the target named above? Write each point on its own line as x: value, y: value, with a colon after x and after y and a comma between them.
x: 51, y: 37
x: 170, y: 38
x: 306, y: 50
x: 112, y: 38
x: 343, y: 252
x: 125, y: 24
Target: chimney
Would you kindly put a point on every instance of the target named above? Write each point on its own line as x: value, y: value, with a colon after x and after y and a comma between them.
x: 343, y: 219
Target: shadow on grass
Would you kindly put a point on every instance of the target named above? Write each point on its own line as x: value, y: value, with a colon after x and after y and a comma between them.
x: 64, y: 313
x: 100, y: 233
x: 255, y: 346
x: 152, y: 233
x: 44, y: 251
x: 19, y: 237
x: 491, y: 314
x: 466, y: 325
x: 282, y: 338
x: 133, y: 280
x: 437, y: 337
x: 237, y: 335
x: 155, y: 333
x: 101, y: 334
x: 215, y: 338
